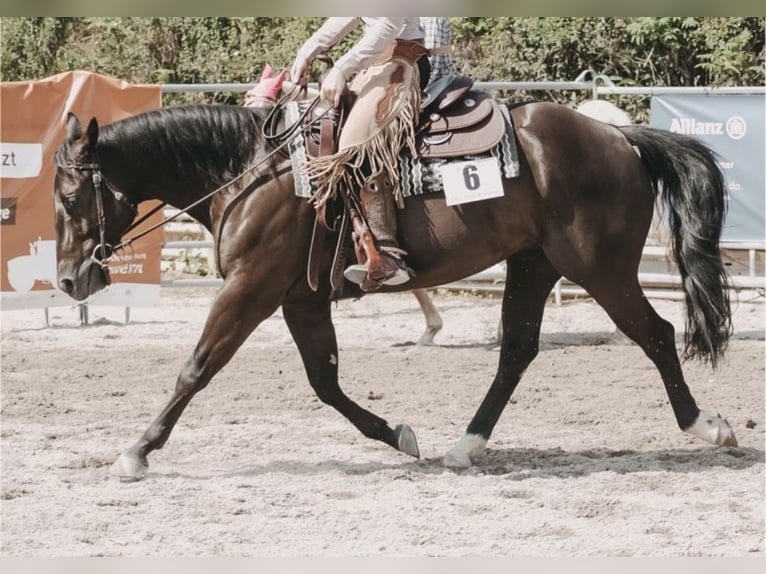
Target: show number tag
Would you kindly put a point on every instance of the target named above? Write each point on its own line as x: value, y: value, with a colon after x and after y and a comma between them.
x: 474, y: 180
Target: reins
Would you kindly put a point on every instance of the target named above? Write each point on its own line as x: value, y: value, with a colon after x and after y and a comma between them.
x: 285, y: 136
x: 278, y: 139
x: 204, y: 198
x: 130, y: 240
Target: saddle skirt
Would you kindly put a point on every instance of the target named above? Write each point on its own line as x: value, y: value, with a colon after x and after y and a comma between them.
x: 472, y: 125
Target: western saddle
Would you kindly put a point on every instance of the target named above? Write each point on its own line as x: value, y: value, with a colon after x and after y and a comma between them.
x: 457, y: 121
x: 454, y: 121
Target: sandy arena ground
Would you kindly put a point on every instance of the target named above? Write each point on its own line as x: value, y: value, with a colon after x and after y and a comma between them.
x: 585, y: 461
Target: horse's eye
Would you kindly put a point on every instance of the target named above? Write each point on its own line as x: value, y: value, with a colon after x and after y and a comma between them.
x: 69, y: 201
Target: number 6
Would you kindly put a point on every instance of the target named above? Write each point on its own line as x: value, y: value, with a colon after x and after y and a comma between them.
x: 471, y: 178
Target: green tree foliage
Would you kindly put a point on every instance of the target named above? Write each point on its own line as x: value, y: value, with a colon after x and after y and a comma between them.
x: 629, y: 51
x: 152, y: 50
x: 670, y: 51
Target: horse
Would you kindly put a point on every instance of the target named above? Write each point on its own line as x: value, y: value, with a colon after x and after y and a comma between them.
x: 604, y: 111
x: 580, y: 208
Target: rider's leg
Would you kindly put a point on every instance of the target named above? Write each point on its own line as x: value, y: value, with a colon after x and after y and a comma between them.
x: 379, y: 124
x: 383, y: 266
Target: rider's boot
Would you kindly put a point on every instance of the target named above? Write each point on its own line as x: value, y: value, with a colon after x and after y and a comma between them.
x: 384, y: 265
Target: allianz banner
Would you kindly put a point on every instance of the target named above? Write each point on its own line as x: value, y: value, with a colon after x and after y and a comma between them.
x: 734, y: 127
x: 33, y: 126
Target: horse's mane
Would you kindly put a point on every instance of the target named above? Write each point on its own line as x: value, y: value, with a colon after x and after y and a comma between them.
x: 212, y: 141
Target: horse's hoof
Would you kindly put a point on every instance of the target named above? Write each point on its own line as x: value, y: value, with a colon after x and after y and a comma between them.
x: 456, y: 459
x: 459, y: 456
x: 713, y: 429
x: 406, y: 441
x: 129, y: 469
x: 426, y: 339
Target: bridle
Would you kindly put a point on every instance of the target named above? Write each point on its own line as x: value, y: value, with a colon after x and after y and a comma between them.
x: 99, y: 254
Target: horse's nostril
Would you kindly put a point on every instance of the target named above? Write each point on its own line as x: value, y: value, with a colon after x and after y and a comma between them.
x: 66, y: 285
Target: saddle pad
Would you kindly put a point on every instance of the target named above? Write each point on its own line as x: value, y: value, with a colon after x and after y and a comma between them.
x: 417, y: 176
x: 297, y: 149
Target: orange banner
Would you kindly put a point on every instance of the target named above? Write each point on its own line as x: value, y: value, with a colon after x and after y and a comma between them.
x: 32, y: 128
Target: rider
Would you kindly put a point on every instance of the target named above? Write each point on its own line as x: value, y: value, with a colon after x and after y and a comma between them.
x: 387, y: 69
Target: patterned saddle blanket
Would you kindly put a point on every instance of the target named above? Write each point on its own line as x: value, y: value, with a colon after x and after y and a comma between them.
x: 476, y: 127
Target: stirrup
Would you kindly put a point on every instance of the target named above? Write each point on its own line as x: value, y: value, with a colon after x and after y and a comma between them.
x: 356, y: 273
x: 359, y: 274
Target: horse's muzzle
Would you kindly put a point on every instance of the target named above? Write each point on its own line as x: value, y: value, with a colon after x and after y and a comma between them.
x: 83, y: 282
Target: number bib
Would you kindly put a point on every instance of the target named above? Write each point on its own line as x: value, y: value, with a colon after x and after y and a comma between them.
x: 473, y: 180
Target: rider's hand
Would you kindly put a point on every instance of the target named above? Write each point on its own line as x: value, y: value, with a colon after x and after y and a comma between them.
x: 332, y: 87
x: 299, y: 69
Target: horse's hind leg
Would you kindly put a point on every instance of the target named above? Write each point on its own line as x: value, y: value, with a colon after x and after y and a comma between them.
x: 530, y: 278
x: 310, y: 323
x: 628, y: 307
x: 433, y: 319
x: 232, y: 317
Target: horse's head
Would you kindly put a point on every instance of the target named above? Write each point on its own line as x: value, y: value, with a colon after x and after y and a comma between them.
x: 91, y: 214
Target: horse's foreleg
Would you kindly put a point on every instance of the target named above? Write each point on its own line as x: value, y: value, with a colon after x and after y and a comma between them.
x: 310, y: 324
x: 634, y: 315
x: 530, y: 278
x: 232, y: 317
x: 433, y: 319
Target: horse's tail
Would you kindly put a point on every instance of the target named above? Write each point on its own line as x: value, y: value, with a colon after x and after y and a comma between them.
x: 685, y: 173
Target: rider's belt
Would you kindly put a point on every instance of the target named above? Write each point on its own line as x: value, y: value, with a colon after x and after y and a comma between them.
x: 410, y: 50
x: 440, y: 51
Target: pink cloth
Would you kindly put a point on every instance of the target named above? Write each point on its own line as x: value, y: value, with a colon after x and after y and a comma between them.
x: 267, y: 88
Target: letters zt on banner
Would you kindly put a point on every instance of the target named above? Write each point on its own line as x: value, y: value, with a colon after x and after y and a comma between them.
x: 474, y: 180
x: 20, y: 160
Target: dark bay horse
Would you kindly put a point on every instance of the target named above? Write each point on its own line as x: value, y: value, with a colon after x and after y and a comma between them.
x: 581, y: 208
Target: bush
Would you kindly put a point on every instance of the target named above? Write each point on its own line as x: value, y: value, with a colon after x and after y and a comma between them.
x: 670, y: 51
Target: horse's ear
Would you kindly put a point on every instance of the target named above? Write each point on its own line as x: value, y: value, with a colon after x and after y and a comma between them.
x: 92, y: 132
x: 267, y: 72
x: 280, y: 79
x: 74, y: 130
x: 73, y: 127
